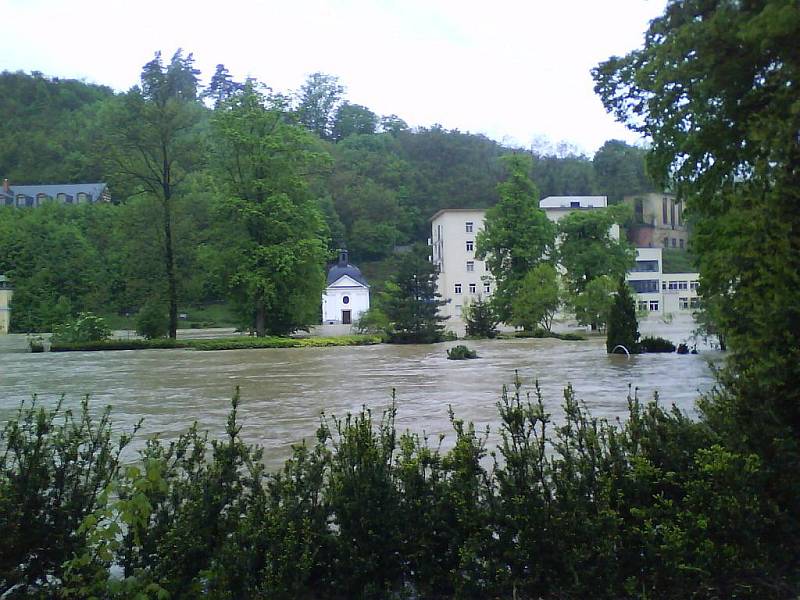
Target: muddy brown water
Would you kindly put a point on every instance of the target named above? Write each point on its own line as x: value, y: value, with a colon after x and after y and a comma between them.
x: 284, y: 391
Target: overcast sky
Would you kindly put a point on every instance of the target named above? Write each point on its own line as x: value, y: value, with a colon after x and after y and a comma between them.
x: 515, y: 70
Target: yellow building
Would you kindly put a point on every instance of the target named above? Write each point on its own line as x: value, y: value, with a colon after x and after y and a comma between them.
x: 5, y: 304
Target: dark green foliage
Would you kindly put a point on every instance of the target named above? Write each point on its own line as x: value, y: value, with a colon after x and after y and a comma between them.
x: 152, y: 321
x: 480, y: 319
x: 678, y: 261
x: 655, y: 344
x: 461, y: 352
x: 570, y: 508
x: 623, y: 328
x: 55, y: 468
x: 543, y: 333
x: 619, y: 169
x: 411, y: 301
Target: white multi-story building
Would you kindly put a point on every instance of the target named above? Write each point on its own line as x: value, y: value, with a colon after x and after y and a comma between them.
x: 6, y: 294
x: 658, y: 293
x: 462, y: 277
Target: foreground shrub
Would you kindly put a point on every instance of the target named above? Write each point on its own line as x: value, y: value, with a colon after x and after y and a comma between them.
x: 578, y: 507
x: 152, y: 321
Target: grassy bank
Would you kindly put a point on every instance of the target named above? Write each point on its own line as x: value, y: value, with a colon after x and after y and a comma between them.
x: 238, y: 343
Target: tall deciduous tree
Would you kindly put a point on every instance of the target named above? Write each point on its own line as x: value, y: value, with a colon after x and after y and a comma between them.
x: 619, y: 170
x: 151, y: 140
x: 276, y: 247
x: 588, y: 250
x: 318, y: 100
x: 715, y: 86
x: 411, y: 301
x: 537, y: 299
x: 353, y: 119
x: 517, y: 235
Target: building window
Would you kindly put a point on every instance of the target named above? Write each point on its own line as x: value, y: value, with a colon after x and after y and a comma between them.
x: 663, y: 285
x: 457, y: 288
x: 654, y: 305
x: 644, y: 286
x: 346, y: 300
x: 41, y: 199
x: 673, y: 285
x: 458, y: 309
x: 680, y: 243
x: 470, y: 266
x: 472, y: 288
x: 666, y: 242
x: 683, y: 285
x: 693, y: 285
x: 470, y: 245
x: 664, y: 202
x: 574, y: 204
x: 642, y: 304
x: 468, y: 226
x: 694, y: 302
x: 645, y: 265
x: 674, y: 243
x: 683, y: 303
x: 487, y: 288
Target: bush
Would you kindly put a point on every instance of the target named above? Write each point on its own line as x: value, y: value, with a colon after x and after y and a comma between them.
x: 86, y: 327
x: 655, y: 344
x: 152, y: 321
x: 461, y: 352
x: 574, y: 509
x: 543, y: 333
x: 373, y: 322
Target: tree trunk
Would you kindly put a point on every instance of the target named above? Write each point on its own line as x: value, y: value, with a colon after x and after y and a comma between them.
x: 169, y: 264
x: 261, y: 319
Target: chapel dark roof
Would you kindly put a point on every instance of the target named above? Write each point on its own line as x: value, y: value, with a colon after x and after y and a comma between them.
x: 344, y: 268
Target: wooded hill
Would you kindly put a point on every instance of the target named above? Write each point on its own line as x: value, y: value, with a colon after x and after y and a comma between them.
x: 376, y: 183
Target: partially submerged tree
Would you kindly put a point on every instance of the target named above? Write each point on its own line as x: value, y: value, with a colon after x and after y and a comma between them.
x: 276, y: 246
x: 623, y: 328
x: 480, y: 319
x: 537, y: 300
x: 517, y: 235
x: 411, y: 301
x: 593, y: 304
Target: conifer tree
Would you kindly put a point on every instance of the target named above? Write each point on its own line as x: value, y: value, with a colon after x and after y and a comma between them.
x: 623, y: 329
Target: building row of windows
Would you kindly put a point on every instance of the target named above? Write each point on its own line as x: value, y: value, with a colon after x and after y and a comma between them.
x: 676, y: 243
x: 24, y: 200
x: 473, y: 288
x: 679, y: 285
x: 645, y: 266
x: 644, y: 286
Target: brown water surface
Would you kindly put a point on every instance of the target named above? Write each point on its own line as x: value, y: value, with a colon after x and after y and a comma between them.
x: 284, y: 391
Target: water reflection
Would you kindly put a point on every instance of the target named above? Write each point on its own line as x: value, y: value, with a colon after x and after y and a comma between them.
x: 284, y: 391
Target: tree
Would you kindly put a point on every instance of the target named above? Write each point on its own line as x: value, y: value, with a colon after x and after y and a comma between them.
x: 151, y: 140
x: 715, y: 88
x: 537, y: 300
x: 221, y: 87
x: 588, y: 250
x: 411, y: 301
x: 619, y: 170
x: 480, y: 319
x: 593, y: 304
x: 318, y: 100
x: 353, y: 119
x: 275, y: 245
x: 623, y: 329
x: 517, y: 234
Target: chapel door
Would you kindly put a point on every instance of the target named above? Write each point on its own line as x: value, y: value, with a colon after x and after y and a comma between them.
x: 346, y: 320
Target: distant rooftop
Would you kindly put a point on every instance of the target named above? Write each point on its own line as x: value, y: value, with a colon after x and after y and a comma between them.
x: 573, y: 202
x: 66, y: 193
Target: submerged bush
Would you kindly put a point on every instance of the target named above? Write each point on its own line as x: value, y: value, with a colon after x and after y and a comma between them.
x: 461, y: 352
x: 86, y: 327
x: 655, y: 344
x: 579, y: 507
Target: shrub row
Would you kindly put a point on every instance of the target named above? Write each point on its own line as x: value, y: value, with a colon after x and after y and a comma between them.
x: 543, y: 333
x: 656, y: 508
x: 237, y: 343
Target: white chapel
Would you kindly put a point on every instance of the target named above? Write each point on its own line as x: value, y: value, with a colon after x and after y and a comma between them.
x: 346, y: 296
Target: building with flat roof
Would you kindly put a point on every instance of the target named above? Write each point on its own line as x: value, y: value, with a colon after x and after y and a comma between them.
x: 658, y: 221
x: 6, y: 293
x: 661, y: 294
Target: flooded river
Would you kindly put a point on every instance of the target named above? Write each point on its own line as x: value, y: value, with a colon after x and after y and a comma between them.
x: 284, y: 391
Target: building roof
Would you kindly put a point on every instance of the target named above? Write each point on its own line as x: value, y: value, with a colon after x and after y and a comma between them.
x: 573, y: 202
x: 456, y: 210
x: 344, y: 268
